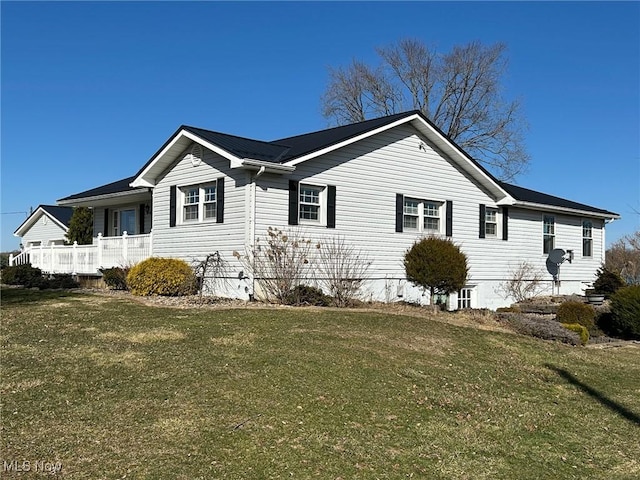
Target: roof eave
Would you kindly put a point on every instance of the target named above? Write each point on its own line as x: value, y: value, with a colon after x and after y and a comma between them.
x: 167, y: 155
x: 31, y: 219
x: 99, y: 200
x: 434, y: 135
x: 572, y: 211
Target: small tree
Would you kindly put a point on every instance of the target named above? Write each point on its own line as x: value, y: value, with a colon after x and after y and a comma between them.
x: 81, y: 226
x: 436, y: 264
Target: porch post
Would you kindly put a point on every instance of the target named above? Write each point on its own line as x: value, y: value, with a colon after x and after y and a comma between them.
x: 74, y: 267
x: 11, y: 259
x: 151, y: 243
x: 99, y: 250
x: 125, y: 236
x: 51, y: 263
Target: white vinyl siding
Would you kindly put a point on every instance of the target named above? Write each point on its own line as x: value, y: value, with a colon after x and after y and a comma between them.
x: 368, y: 175
x: 196, y: 239
x: 44, y: 231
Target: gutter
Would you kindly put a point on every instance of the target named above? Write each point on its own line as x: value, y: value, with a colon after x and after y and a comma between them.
x: 262, y: 166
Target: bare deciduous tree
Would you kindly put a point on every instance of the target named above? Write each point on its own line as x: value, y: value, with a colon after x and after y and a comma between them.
x: 460, y: 92
x: 623, y: 257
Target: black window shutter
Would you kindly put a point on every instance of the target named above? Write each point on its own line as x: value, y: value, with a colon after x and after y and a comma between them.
x: 482, y: 220
x: 141, y: 219
x: 399, y: 211
x: 331, y: 206
x: 105, y: 233
x: 449, y: 219
x: 172, y: 205
x: 505, y: 223
x: 220, y: 200
x: 293, y: 202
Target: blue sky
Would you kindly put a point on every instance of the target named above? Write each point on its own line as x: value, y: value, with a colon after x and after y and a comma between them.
x: 91, y: 90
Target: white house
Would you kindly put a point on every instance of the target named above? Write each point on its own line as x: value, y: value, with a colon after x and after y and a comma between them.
x: 47, y: 225
x: 379, y: 184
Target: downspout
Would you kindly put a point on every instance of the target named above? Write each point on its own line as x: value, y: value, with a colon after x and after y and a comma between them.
x: 252, y: 224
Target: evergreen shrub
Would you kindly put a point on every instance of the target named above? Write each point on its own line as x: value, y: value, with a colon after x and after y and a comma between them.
x: 161, y: 276
x: 624, y: 320
x: 25, y: 275
x: 607, y: 282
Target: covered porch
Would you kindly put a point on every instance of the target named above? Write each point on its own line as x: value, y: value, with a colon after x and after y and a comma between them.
x: 105, y: 252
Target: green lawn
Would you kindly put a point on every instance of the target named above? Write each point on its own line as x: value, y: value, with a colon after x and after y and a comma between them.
x: 110, y: 388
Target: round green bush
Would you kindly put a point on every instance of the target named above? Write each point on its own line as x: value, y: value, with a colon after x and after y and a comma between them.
x: 624, y: 320
x: 577, y: 312
x: 437, y: 264
x: 161, y: 276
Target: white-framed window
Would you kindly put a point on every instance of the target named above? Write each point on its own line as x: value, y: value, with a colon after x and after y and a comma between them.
x: 587, y: 238
x: 464, y: 298
x: 422, y: 215
x: 210, y: 202
x: 548, y: 233
x: 310, y: 200
x: 199, y: 203
x: 491, y: 222
x: 124, y: 220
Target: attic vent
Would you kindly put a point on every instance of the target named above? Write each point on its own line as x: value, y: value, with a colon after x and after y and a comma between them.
x: 196, y: 154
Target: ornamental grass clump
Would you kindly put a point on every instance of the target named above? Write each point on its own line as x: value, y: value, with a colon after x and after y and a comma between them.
x: 162, y: 276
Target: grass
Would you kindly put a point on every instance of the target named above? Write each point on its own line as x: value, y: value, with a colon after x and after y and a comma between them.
x: 111, y: 388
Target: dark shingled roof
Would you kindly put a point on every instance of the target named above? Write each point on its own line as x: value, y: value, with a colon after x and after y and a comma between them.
x: 241, y: 147
x: 311, y: 142
x: 285, y: 149
x: 62, y: 214
x: 526, y: 195
x: 114, y: 187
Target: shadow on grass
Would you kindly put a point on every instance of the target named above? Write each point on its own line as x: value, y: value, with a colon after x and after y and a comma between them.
x: 18, y: 296
x: 604, y: 400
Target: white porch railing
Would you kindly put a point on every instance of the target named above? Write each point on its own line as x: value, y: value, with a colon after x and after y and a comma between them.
x: 106, y: 252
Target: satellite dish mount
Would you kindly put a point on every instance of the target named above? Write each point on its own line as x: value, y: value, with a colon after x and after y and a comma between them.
x: 557, y: 257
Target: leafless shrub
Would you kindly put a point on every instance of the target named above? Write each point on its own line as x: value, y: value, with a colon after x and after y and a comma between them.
x: 525, y: 282
x: 341, y: 270
x: 279, y: 262
x: 211, y: 273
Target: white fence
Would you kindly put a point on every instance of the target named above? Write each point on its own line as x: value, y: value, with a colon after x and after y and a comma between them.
x: 106, y: 252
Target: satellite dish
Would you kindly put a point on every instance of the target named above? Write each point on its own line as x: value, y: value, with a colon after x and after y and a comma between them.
x: 557, y: 256
x: 553, y: 268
